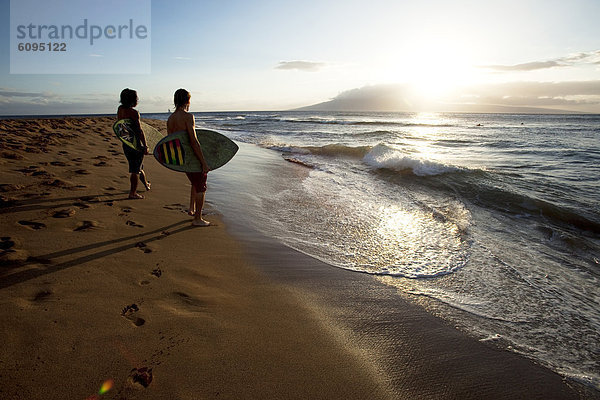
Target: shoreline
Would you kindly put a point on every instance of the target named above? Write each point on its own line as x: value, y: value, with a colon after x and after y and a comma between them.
x: 417, y: 354
x: 252, y: 318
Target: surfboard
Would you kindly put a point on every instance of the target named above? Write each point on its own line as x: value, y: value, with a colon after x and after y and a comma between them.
x: 125, y: 133
x: 175, y: 152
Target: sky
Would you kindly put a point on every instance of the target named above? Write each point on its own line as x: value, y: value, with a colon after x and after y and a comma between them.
x: 426, y: 55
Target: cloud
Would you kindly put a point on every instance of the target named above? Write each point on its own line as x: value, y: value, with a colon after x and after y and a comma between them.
x: 300, y: 65
x: 531, y: 66
x: 14, y: 93
x: 538, y: 89
x: 22, y: 102
x: 16, y: 102
x: 581, y: 96
x: 591, y: 57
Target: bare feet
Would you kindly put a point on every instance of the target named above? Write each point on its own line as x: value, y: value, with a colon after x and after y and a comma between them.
x: 135, y: 196
x: 144, y: 180
x: 200, y: 222
x: 191, y: 213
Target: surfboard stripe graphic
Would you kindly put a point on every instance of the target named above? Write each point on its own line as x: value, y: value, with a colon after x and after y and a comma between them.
x: 163, y: 153
x: 168, y: 159
x: 179, y: 152
x: 171, y: 153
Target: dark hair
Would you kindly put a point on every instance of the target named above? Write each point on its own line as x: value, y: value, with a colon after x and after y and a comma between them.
x: 129, y: 98
x: 182, y: 97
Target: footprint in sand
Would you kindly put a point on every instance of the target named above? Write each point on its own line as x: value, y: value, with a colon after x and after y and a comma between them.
x: 6, y: 242
x: 43, y: 173
x: 11, y: 156
x: 90, y: 199
x: 85, y: 225
x: 32, y: 170
x: 157, y: 272
x: 125, y: 211
x: 131, y: 223
x: 66, y: 213
x: 9, y: 256
x: 100, y: 164
x: 32, y: 224
x: 190, y: 302
x: 82, y: 172
x: 13, y: 257
x: 42, y: 149
x: 41, y: 296
x: 58, y: 183
x: 81, y: 205
x: 10, y: 187
x: 59, y: 163
x: 184, y: 304
x: 143, y: 247
x: 129, y: 313
x: 140, y: 377
x: 176, y: 207
x: 6, y: 201
x: 163, y: 235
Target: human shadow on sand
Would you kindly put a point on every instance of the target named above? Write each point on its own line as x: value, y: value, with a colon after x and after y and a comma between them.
x: 47, y: 267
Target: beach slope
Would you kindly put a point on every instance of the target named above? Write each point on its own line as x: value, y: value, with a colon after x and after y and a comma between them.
x: 100, y: 290
x: 106, y: 297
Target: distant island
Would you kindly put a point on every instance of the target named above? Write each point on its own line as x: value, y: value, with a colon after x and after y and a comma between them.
x: 397, y: 98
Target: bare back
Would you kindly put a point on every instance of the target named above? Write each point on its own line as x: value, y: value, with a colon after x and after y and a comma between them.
x: 180, y: 121
x: 183, y: 121
x: 128, y: 113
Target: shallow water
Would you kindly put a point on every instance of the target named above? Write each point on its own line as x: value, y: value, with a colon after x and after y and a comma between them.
x: 491, y: 220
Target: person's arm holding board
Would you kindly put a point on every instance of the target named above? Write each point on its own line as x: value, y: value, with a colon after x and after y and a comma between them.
x: 190, y: 128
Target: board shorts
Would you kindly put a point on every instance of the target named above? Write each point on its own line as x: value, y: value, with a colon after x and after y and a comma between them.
x: 134, y: 158
x: 198, y: 180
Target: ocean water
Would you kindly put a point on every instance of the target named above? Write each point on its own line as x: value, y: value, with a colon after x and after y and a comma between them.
x: 491, y: 221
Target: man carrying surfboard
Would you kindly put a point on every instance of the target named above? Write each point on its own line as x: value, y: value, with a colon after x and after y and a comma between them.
x: 181, y: 120
x: 126, y: 110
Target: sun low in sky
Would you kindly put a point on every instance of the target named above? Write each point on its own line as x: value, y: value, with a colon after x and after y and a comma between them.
x: 393, y: 55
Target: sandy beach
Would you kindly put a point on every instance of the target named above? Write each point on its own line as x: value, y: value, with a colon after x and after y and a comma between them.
x: 97, y: 289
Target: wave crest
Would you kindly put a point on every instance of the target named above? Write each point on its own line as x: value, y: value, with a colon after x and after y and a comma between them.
x: 328, y: 150
x: 385, y: 157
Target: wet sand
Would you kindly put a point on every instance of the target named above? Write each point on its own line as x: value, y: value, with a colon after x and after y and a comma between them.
x: 96, y: 288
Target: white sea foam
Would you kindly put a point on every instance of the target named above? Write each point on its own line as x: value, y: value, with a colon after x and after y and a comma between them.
x: 492, y: 226
x: 384, y: 156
